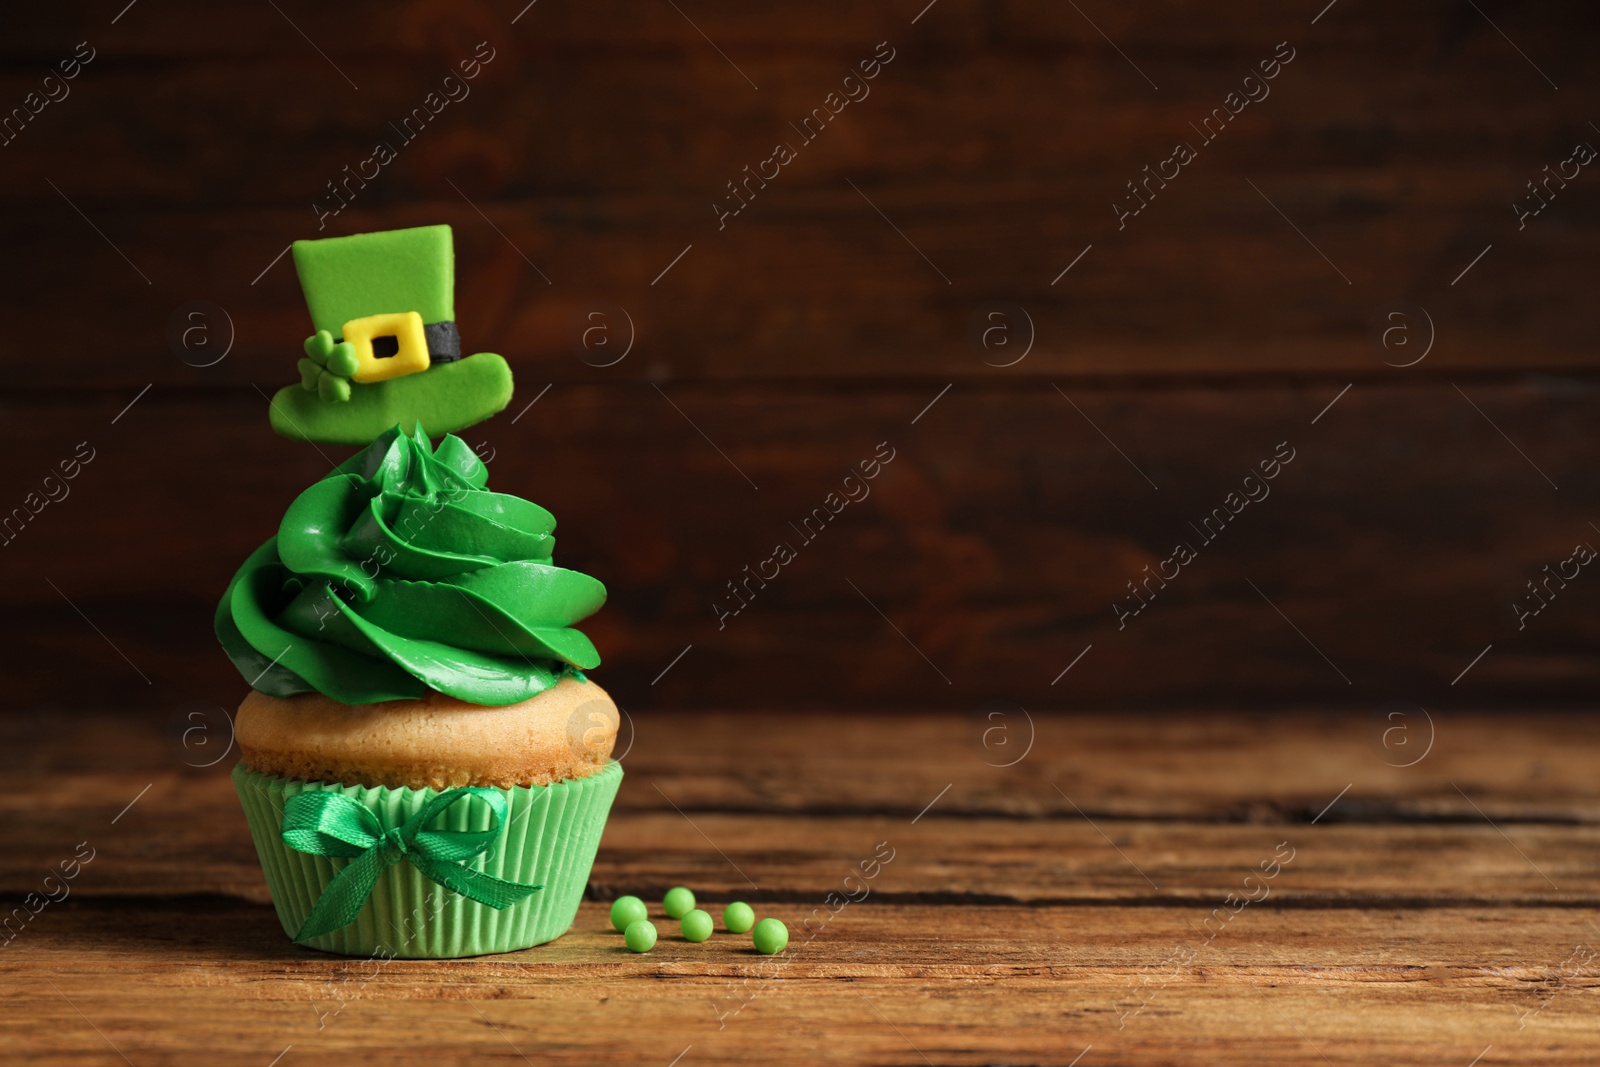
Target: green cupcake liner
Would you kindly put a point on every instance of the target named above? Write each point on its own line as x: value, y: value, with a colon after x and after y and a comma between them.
x: 550, y: 838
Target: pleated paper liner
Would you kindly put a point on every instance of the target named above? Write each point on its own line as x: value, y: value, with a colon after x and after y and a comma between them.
x: 550, y: 838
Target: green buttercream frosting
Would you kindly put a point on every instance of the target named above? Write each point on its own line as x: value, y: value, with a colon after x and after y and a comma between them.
x: 400, y: 573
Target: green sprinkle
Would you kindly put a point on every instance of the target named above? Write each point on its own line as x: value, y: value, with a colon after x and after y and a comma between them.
x: 739, y: 917
x: 771, y: 936
x: 697, y: 926
x: 640, y: 935
x: 678, y: 902
x: 626, y: 911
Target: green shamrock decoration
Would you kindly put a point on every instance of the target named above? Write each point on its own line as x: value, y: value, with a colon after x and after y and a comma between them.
x: 327, y: 371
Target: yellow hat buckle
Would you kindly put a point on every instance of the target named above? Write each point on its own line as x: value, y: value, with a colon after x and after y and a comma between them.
x: 387, y: 346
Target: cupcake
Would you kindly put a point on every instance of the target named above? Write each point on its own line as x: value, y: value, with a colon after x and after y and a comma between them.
x: 425, y: 768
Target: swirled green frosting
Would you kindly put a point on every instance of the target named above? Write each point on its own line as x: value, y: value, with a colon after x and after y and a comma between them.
x: 400, y: 572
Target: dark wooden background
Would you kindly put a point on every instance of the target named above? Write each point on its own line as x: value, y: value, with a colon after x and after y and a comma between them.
x: 593, y: 145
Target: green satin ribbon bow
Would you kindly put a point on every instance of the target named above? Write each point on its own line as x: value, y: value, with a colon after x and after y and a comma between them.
x: 331, y: 824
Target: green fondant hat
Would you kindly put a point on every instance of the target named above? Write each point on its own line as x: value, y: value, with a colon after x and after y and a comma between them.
x: 386, y: 351
x: 365, y: 274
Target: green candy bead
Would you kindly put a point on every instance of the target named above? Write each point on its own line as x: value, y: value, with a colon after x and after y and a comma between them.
x: 678, y: 902
x: 697, y: 926
x: 739, y: 917
x: 640, y: 935
x: 625, y: 911
x: 771, y: 937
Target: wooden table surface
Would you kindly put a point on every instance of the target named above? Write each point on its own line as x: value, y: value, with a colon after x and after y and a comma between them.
x: 1423, y: 891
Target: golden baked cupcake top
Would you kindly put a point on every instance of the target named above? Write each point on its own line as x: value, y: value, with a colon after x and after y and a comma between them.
x: 437, y: 742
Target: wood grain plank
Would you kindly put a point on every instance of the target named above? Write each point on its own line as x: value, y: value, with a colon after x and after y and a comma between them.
x: 187, y: 836
x: 821, y: 288
x: 997, y: 140
x: 177, y: 30
x: 1279, y: 769
x: 997, y: 541
x: 882, y: 982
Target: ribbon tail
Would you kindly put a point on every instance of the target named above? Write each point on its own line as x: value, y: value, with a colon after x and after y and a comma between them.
x: 475, y: 885
x: 345, y: 896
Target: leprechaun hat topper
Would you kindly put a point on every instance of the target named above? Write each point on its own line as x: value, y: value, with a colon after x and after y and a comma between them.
x: 386, y: 351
